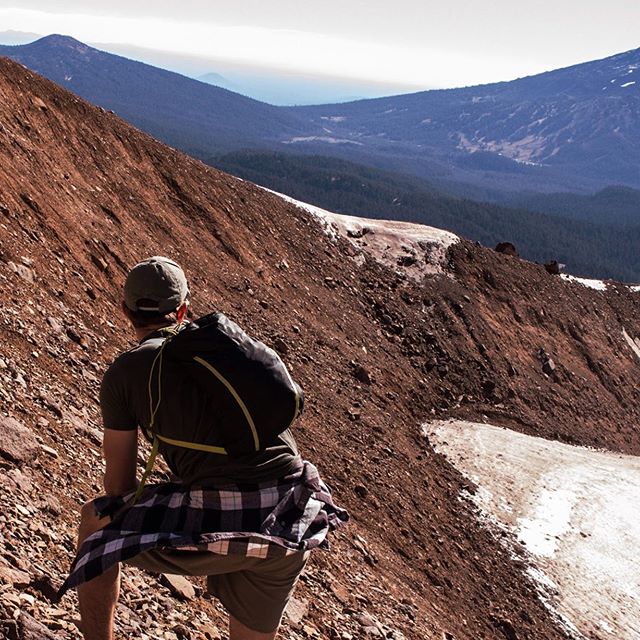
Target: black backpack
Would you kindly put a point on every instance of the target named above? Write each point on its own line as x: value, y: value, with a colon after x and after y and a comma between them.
x: 240, y: 385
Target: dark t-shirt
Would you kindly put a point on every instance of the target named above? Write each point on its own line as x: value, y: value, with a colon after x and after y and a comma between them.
x: 124, y: 401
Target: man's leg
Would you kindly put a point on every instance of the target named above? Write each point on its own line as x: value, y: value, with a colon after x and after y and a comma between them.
x: 237, y: 631
x: 98, y: 597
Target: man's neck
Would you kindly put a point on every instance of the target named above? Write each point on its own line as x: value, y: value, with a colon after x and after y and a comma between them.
x: 143, y: 332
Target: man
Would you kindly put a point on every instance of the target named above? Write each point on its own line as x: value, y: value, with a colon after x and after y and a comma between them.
x: 247, y: 521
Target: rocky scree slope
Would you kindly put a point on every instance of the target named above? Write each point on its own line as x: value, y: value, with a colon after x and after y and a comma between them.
x: 83, y: 196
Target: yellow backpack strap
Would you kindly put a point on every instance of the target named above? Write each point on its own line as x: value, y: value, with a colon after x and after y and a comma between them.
x: 148, y: 469
x: 209, y: 448
x: 157, y: 361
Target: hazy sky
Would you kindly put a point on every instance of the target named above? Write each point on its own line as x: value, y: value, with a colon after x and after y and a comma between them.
x: 422, y: 43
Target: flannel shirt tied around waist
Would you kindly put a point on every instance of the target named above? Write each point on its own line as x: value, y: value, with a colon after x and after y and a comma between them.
x: 264, y: 520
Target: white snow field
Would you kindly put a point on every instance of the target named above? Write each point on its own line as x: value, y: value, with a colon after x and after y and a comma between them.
x: 417, y: 249
x: 575, y: 510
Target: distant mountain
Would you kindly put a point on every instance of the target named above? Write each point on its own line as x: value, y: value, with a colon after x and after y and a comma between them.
x: 217, y: 80
x: 591, y: 246
x: 572, y: 129
x: 17, y: 37
x: 194, y: 116
x: 268, y: 84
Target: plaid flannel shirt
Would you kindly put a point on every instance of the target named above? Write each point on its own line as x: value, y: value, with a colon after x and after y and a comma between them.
x: 265, y: 520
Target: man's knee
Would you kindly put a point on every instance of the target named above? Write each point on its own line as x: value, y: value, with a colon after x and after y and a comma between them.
x: 89, y: 521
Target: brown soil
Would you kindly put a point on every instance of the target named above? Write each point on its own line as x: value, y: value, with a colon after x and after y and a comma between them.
x: 83, y: 196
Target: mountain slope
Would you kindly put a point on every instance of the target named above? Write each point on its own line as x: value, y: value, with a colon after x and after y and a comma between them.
x: 192, y: 115
x: 83, y: 196
x: 575, y: 129
x: 578, y: 126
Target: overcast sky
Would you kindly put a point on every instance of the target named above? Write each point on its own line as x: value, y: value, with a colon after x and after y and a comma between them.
x: 420, y: 43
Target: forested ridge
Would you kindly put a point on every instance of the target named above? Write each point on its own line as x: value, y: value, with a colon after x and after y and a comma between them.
x: 586, y: 247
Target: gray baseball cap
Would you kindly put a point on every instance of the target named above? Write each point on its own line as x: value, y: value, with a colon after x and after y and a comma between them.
x: 155, y: 284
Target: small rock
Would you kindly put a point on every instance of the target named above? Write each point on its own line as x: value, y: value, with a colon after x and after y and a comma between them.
x: 23, y: 272
x: 361, y: 491
x: 45, y: 586
x: 281, y: 346
x: 182, y: 632
x: 39, y: 102
x: 30, y: 629
x: 360, y: 373
x: 297, y: 609
x: 553, y: 267
x: 17, y: 443
x: 52, y: 452
x: 10, y: 575
x: 179, y: 586
x: 549, y: 366
x: 507, y: 629
x: 507, y: 248
x: 55, y: 324
x: 370, y: 626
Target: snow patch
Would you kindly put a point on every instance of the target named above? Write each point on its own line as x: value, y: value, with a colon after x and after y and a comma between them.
x: 576, y: 510
x: 327, y: 139
x: 413, y: 249
x: 551, y: 519
x: 634, y: 343
x: 628, y: 84
x: 333, y: 118
x: 598, y: 285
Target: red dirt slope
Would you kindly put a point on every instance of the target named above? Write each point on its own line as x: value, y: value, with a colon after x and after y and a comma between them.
x: 83, y: 196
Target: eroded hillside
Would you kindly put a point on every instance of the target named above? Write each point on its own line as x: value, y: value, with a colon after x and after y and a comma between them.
x: 83, y: 196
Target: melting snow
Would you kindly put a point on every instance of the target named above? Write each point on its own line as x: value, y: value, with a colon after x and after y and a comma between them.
x: 634, y: 343
x: 576, y: 510
x: 327, y: 139
x: 598, y: 285
x: 417, y: 249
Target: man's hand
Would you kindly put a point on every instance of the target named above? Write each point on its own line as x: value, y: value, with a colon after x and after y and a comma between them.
x: 120, y: 455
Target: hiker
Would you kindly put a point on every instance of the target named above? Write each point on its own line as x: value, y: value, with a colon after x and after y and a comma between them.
x: 244, y: 510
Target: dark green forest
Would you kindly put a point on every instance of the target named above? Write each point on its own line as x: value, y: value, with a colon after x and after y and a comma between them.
x: 615, y: 205
x: 587, y: 248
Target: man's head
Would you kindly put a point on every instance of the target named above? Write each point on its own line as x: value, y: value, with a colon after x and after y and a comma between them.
x: 153, y: 290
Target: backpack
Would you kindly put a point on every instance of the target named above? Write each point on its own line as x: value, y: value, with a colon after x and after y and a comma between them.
x: 240, y: 385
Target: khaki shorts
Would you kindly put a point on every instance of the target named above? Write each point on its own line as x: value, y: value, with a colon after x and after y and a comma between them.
x: 255, y: 591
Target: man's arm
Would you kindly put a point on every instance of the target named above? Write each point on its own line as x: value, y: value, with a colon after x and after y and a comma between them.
x: 120, y: 456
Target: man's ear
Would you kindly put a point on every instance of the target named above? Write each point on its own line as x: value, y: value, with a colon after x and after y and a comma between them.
x: 181, y: 312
